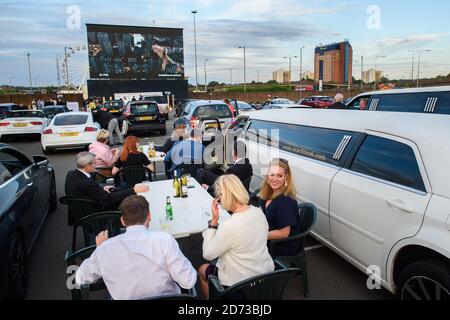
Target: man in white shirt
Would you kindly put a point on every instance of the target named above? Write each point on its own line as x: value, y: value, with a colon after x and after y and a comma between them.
x: 140, y: 263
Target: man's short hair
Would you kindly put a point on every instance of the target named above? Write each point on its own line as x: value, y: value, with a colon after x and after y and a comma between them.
x: 239, y: 149
x: 135, y: 210
x: 84, y: 159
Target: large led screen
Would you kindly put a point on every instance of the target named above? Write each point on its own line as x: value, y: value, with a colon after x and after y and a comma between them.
x: 125, y: 52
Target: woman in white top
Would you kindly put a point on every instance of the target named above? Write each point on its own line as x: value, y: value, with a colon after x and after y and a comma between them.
x: 240, y: 242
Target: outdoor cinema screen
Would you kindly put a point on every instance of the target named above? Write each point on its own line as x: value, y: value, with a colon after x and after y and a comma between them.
x: 144, y: 53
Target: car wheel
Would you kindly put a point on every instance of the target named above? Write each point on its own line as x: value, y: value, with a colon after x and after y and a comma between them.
x: 47, y: 151
x: 425, y: 280
x: 53, y: 196
x: 17, y: 272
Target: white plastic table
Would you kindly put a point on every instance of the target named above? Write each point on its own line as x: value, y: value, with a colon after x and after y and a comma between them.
x: 188, y: 213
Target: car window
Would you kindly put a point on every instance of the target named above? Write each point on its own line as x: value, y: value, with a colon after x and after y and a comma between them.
x: 312, y: 142
x: 27, y: 114
x: 405, y: 102
x: 144, y: 108
x: 71, y: 120
x: 13, y: 161
x: 114, y: 104
x: 5, y: 175
x: 216, y: 111
x: 356, y: 104
x: 388, y: 160
x: 443, y: 103
x: 239, y: 124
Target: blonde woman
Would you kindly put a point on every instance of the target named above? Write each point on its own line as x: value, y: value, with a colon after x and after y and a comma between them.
x: 104, y: 155
x: 279, y: 204
x: 240, y: 242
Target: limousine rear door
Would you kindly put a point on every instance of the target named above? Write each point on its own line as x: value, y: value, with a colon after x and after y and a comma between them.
x: 378, y: 199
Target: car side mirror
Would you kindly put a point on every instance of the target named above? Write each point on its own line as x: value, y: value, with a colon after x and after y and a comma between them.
x: 40, y: 161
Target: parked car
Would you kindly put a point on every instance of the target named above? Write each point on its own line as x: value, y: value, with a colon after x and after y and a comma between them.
x: 417, y: 100
x: 6, y: 108
x: 24, y: 122
x: 195, y: 112
x: 51, y: 111
x: 380, y: 186
x: 27, y: 194
x: 162, y: 102
x: 242, y: 106
x: 317, y: 101
x: 277, y: 101
x: 284, y: 106
x: 143, y: 115
x: 69, y: 130
x: 114, y: 107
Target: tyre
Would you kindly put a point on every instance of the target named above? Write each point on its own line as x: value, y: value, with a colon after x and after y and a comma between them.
x: 425, y: 280
x: 48, y: 151
x: 17, y: 271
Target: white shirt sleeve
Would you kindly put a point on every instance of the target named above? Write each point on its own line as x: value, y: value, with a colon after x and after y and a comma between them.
x: 89, y: 271
x: 216, y: 242
x: 179, y: 267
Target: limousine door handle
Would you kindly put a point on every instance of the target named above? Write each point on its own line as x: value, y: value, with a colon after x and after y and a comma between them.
x: 399, y: 204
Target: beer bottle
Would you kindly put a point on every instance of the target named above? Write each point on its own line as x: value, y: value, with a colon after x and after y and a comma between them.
x: 184, y: 188
x: 169, y: 210
x: 177, y: 185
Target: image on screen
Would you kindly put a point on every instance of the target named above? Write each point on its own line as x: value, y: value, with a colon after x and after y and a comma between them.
x: 121, y: 52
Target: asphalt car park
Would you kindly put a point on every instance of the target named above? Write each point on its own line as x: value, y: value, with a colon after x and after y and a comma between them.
x: 330, y: 276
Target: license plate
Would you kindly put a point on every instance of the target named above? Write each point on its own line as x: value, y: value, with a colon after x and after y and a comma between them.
x: 145, y: 118
x: 68, y: 134
x: 114, y: 111
x: 20, y: 124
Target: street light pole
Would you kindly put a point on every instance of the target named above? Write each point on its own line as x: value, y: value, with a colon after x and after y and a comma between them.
x: 362, y: 73
x: 301, y: 71
x: 375, y: 80
x: 418, y: 66
x: 245, y: 74
x: 412, y: 66
x: 195, y: 51
x: 29, y: 71
x: 206, y: 85
x: 290, y: 66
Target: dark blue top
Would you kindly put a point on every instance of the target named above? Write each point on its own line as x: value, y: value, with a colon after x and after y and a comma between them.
x: 283, y: 212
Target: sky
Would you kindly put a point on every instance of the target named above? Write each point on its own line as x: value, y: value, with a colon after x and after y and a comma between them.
x: 269, y: 29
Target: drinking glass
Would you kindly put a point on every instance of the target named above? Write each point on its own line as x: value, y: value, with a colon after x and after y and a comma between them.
x: 164, y: 223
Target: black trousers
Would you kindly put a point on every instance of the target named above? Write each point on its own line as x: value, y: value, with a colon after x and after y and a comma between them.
x: 207, y: 177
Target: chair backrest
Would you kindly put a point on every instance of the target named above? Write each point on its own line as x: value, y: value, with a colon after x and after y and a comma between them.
x: 75, y: 259
x: 307, y: 215
x: 268, y: 286
x: 133, y: 175
x: 95, y: 223
x: 79, y: 208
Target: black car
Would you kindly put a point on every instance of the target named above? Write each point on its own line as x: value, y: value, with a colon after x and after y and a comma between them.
x: 115, y: 107
x: 6, y: 108
x: 51, y: 111
x: 143, y: 115
x: 27, y: 194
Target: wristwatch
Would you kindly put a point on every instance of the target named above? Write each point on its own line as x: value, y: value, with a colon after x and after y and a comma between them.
x: 212, y: 227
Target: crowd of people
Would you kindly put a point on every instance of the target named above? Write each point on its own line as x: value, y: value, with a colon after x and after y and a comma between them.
x: 141, y: 263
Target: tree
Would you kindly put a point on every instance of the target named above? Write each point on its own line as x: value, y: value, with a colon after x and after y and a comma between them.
x: 213, y: 84
x: 384, y: 80
x: 272, y: 82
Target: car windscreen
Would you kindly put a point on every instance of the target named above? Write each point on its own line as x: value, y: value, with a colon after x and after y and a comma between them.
x: 26, y: 114
x: 244, y: 106
x: 160, y: 99
x: 71, y: 120
x: 215, y: 111
x: 114, y: 104
x: 144, y: 108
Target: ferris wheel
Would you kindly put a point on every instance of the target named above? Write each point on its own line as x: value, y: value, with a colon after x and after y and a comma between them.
x: 74, y: 67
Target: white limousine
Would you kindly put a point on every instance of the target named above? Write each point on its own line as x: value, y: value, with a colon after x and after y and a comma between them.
x: 381, y: 184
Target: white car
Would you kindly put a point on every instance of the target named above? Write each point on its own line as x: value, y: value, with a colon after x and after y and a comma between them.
x: 161, y: 101
x: 22, y: 122
x: 380, y: 182
x: 69, y: 130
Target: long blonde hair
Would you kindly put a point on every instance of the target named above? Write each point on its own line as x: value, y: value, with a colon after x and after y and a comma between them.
x: 266, y: 192
x: 231, y: 192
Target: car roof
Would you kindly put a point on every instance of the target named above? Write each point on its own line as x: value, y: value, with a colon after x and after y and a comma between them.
x: 146, y: 101
x: 433, y: 134
x: 198, y: 103
x: 408, y: 90
x: 72, y: 113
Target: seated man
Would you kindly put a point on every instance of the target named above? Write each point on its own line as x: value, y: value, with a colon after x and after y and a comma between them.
x: 241, y: 168
x: 140, y: 263
x: 79, y: 183
x: 185, y: 152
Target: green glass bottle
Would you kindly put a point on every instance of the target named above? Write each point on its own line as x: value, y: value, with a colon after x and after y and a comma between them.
x: 169, y: 210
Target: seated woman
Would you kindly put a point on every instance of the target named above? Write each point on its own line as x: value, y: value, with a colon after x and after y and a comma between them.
x: 278, y: 201
x: 130, y: 156
x: 105, y: 156
x: 240, y: 242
